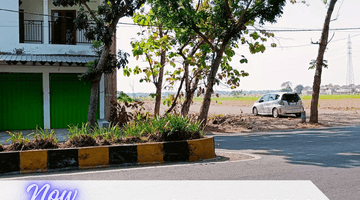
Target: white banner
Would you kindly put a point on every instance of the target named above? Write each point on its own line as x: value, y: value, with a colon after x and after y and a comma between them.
x: 159, y: 190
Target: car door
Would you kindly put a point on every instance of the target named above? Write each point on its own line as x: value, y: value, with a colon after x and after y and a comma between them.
x: 269, y: 104
x: 262, y: 101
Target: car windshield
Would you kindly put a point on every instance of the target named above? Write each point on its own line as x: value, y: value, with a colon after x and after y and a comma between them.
x: 290, y: 97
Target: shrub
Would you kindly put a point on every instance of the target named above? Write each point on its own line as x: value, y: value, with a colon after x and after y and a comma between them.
x: 44, y: 139
x: 80, y: 136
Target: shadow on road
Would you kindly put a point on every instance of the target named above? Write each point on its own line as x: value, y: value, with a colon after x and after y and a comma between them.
x: 328, y: 147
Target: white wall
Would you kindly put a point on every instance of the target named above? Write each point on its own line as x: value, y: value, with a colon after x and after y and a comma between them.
x: 32, y: 6
x: 9, y: 25
x: 81, y: 49
x: 9, y: 29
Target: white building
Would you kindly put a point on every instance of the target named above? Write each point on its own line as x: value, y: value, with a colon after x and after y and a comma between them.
x: 41, y: 56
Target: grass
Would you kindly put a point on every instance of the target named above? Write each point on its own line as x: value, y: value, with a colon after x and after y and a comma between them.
x: 334, y: 96
x: 17, y: 137
x: 245, y: 98
x: 168, y: 124
x: 254, y: 98
x: 140, y: 127
x: 45, y: 134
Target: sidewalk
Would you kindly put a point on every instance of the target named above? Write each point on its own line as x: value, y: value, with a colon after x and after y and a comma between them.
x: 61, y: 135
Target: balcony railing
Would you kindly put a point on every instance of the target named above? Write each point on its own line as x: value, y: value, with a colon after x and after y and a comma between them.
x: 65, y: 33
x: 31, y: 31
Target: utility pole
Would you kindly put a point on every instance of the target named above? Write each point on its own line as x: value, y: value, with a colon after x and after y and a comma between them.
x: 350, y: 70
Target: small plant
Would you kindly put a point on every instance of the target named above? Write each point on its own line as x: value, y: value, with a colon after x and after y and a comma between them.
x: 18, y: 142
x: 81, y: 136
x: 17, y: 138
x: 45, y: 134
x: 75, y: 131
x: 110, y: 133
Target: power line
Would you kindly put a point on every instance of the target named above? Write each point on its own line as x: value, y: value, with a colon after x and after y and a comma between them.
x: 29, y: 13
x: 269, y: 30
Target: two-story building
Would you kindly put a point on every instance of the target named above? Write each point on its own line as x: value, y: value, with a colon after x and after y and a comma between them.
x: 41, y: 56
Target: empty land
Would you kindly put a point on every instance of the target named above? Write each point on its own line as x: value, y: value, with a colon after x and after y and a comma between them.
x: 234, y: 114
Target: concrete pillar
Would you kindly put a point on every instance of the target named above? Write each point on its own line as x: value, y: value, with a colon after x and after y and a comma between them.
x: 102, y: 97
x: 46, y: 97
x: 46, y: 22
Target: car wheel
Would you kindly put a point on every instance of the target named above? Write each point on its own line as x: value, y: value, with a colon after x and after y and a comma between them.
x: 255, y: 111
x: 298, y: 114
x: 275, y: 113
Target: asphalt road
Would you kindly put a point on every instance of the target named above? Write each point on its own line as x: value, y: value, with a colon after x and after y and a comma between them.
x: 329, y: 157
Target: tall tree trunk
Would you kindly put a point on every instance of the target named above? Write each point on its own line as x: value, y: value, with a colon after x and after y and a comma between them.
x: 160, y: 79
x: 189, y: 95
x: 94, y: 96
x: 204, y: 110
x: 174, y: 102
x: 159, y: 85
x: 320, y: 64
x: 95, y: 82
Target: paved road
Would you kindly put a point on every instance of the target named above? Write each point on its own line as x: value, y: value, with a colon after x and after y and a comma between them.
x: 329, y: 157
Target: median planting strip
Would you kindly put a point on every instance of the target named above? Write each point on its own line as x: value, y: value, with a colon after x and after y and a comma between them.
x: 105, y: 156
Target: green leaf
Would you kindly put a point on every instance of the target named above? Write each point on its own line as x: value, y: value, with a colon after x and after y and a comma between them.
x: 244, y: 60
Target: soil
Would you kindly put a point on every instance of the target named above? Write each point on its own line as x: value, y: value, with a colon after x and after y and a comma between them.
x: 34, y: 144
x: 235, y: 116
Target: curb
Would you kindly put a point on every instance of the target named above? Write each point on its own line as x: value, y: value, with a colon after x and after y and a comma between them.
x: 106, y: 156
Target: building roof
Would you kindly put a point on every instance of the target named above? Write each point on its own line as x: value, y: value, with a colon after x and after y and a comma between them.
x: 23, y: 58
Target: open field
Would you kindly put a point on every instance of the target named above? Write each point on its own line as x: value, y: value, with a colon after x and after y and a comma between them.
x: 235, y: 115
x: 254, y: 98
x: 303, y: 97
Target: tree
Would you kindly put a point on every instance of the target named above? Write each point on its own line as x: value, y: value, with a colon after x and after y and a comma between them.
x: 320, y: 64
x: 108, y: 14
x: 298, y: 89
x: 286, y: 86
x: 194, y: 63
x: 221, y: 24
x: 236, y: 93
x: 156, y: 45
x: 190, y: 58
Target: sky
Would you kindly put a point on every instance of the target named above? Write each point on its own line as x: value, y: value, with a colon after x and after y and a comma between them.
x: 289, y: 61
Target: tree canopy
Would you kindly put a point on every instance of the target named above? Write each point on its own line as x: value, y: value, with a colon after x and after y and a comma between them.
x: 222, y: 25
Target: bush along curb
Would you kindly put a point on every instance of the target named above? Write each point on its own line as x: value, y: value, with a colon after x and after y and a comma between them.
x: 105, y: 156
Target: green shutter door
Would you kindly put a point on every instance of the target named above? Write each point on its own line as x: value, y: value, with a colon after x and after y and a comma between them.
x: 69, y: 100
x: 21, y: 101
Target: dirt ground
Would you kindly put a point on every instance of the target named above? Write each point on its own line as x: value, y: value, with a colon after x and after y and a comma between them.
x: 235, y: 116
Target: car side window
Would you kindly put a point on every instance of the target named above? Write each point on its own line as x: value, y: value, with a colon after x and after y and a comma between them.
x: 272, y: 97
x: 266, y: 98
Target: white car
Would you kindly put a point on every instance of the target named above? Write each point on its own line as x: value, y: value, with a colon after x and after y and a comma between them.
x: 277, y: 104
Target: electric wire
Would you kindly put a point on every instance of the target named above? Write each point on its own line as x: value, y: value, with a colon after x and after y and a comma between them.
x: 133, y: 24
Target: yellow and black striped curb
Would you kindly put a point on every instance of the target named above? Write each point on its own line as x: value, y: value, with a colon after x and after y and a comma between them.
x: 105, y: 156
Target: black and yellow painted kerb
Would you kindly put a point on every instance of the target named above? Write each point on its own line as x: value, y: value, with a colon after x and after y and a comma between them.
x: 105, y: 156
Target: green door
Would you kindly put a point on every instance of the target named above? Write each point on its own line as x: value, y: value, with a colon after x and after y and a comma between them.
x: 21, y: 101
x: 69, y: 100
